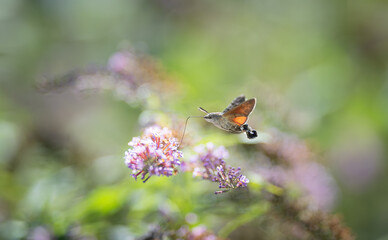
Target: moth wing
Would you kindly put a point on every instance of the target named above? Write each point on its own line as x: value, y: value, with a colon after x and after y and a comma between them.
x: 239, y: 114
x: 237, y: 101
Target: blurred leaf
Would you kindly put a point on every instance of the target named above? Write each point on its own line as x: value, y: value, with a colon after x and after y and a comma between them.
x: 101, y: 202
x: 252, y: 212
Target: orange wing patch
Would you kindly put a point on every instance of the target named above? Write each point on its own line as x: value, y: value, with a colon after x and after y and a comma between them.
x: 239, y: 114
x: 240, y: 120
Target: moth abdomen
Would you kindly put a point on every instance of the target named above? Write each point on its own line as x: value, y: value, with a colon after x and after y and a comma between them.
x: 251, y: 134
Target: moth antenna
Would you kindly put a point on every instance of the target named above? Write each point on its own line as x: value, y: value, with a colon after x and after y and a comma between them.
x: 184, y: 129
x: 202, y: 110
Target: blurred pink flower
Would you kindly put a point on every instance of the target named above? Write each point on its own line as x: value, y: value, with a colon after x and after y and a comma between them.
x: 40, y: 233
x: 318, y: 188
x: 358, y: 162
x: 123, y: 62
x: 198, y: 233
x: 297, y: 169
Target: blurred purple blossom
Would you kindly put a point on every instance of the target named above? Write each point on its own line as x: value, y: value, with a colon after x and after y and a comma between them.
x: 209, y: 164
x: 122, y: 62
x: 317, y: 186
x: 276, y: 175
x: 40, y: 233
x: 184, y: 232
x: 131, y: 76
x: 287, y: 147
x: 295, y: 168
x: 155, y: 153
x: 198, y: 233
x: 358, y: 162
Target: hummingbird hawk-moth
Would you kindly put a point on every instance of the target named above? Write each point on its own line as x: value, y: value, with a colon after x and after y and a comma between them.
x: 233, y: 119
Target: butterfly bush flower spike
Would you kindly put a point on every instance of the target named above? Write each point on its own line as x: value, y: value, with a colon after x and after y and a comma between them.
x: 210, y: 165
x: 155, y: 153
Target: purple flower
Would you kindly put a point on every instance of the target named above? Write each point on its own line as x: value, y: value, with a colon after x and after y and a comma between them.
x: 210, y: 165
x: 155, y: 153
x: 198, y: 233
x: 298, y: 170
x: 124, y: 62
x: 358, y: 162
x: 316, y: 185
x: 40, y: 233
x: 276, y: 175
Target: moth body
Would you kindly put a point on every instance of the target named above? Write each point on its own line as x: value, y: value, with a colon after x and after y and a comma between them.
x: 219, y: 121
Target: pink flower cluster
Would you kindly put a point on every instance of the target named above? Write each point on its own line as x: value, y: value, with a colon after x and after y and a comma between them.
x: 155, y: 153
x: 210, y: 165
x: 198, y: 233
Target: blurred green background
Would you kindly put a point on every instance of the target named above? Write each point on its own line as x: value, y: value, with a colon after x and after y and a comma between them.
x: 318, y: 68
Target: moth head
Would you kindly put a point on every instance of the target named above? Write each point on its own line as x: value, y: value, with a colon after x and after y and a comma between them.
x: 211, y: 117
